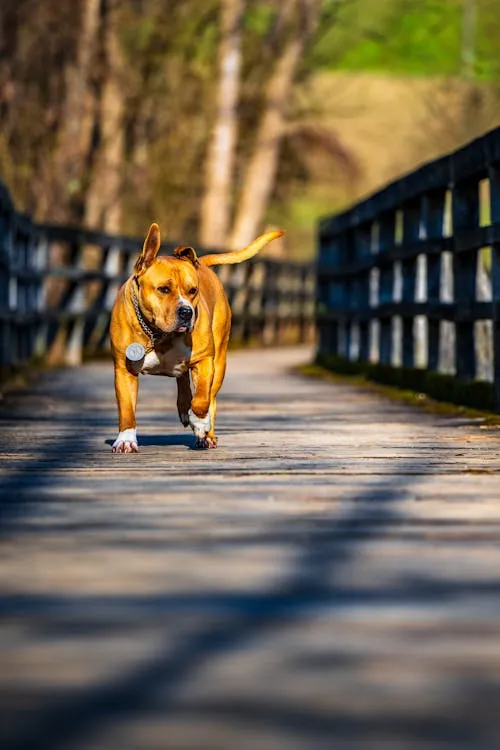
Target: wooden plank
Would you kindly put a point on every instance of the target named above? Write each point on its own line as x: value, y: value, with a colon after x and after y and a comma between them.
x: 412, y: 217
x: 494, y: 181
x: 59, y: 309
x: 465, y: 207
x: 386, y: 240
x: 419, y: 201
x: 433, y: 227
x: 328, y: 577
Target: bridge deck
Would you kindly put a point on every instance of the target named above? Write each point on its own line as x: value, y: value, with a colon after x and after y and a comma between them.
x: 329, y: 575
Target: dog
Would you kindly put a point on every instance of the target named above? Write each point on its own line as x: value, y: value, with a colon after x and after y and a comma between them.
x: 172, y: 317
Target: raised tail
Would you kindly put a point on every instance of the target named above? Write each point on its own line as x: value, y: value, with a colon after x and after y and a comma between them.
x: 237, y: 256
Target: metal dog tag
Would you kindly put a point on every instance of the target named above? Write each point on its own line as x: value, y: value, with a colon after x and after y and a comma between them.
x: 134, y: 355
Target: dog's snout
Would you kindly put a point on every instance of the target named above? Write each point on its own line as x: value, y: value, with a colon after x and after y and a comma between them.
x: 185, y: 313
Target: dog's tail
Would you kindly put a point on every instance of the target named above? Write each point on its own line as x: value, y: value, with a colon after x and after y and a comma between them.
x: 237, y: 256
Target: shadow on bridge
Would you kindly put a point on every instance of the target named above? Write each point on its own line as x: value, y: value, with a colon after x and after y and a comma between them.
x: 212, y: 665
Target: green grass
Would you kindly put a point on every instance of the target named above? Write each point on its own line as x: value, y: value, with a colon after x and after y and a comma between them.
x: 404, y: 395
x: 410, y: 37
x: 299, y: 215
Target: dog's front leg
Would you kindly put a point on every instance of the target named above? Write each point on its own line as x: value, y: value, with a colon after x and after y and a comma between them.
x: 199, y: 417
x: 126, y: 387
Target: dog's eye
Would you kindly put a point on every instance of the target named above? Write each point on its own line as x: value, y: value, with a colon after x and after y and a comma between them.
x: 193, y: 290
x: 164, y: 289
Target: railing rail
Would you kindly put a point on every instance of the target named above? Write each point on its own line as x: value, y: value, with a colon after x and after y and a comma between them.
x: 409, y: 279
x: 58, y: 284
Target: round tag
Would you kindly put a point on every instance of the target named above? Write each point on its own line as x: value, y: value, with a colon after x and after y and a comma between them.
x: 135, y: 354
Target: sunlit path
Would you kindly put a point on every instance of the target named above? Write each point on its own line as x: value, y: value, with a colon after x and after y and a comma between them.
x: 327, y: 577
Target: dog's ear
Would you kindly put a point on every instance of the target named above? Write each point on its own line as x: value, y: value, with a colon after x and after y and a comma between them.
x: 186, y: 253
x: 149, y: 250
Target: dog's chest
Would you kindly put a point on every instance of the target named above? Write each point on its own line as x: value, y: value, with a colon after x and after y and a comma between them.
x: 172, y: 361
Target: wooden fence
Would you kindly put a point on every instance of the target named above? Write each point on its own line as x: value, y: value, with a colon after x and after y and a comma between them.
x: 409, y: 280
x: 58, y: 284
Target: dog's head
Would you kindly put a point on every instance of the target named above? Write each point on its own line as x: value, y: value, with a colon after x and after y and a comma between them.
x: 167, y: 287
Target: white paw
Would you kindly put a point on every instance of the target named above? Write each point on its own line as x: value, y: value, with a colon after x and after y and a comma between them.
x: 126, y: 442
x: 206, y: 442
x: 200, y: 426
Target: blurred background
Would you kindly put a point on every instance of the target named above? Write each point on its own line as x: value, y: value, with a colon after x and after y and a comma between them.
x: 225, y: 117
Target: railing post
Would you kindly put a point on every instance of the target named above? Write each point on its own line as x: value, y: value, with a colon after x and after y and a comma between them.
x: 465, y: 209
x: 6, y: 232
x: 302, y: 312
x: 349, y: 296
x: 387, y: 236
x: 330, y: 291
x: 495, y: 280
x: 41, y: 264
x: 267, y: 303
x: 30, y: 289
x: 411, y: 233
x: 432, y: 229
x: 363, y: 252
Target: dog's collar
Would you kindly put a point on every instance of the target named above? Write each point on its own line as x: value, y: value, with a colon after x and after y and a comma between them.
x: 153, y: 335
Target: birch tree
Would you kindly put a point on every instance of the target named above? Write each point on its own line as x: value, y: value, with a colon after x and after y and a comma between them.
x: 216, y: 203
x: 301, y: 18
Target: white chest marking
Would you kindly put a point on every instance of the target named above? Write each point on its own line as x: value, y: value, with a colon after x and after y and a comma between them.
x: 173, y: 362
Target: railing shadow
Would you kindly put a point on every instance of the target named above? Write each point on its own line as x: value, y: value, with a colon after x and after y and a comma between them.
x: 162, y: 440
x: 219, y: 622
x: 312, y: 585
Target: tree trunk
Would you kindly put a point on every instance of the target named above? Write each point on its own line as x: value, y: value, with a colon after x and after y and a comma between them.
x: 216, y: 204
x: 103, y: 203
x: 80, y: 111
x: 261, y: 170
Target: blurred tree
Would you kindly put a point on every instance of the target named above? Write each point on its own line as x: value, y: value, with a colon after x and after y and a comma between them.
x: 32, y: 93
x: 299, y: 19
x: 412, y: 37
x: 116, y: 112
x: 103, y: 205
x: 216, y: 203
x: 170, y: 55
x: 78, y: 117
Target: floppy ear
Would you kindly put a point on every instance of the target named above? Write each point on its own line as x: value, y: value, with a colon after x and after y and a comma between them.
x: 149, y: 250
x: 186, y: 253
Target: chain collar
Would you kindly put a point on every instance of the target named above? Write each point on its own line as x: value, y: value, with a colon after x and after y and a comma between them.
x: 152, y: 335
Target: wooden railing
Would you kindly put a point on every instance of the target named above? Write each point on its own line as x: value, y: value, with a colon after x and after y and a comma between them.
x: 409, y: 280
x: 58, y: 284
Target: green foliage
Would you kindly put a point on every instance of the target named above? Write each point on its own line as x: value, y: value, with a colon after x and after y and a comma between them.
x: 409, y: 37
x: 425, y: 39
x: 475, y: 394
x: 487, y: 64
x: 259, y: 18
x: 137, y: 35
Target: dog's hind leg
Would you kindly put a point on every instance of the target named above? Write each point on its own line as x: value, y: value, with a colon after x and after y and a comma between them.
x: 184, y: 397
x: 219, y: 372
x: 210, y: 438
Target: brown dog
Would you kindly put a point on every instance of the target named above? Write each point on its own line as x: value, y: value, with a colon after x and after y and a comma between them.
x: 175, y: 314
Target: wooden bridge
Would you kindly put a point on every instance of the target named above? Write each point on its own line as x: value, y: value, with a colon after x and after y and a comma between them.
x: 328, y: 577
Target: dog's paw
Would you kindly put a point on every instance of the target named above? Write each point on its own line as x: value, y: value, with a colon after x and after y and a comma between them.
x: 184, y: 417
x: 126, y: 442
x: 200, y: 425
x: 206, y: 442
